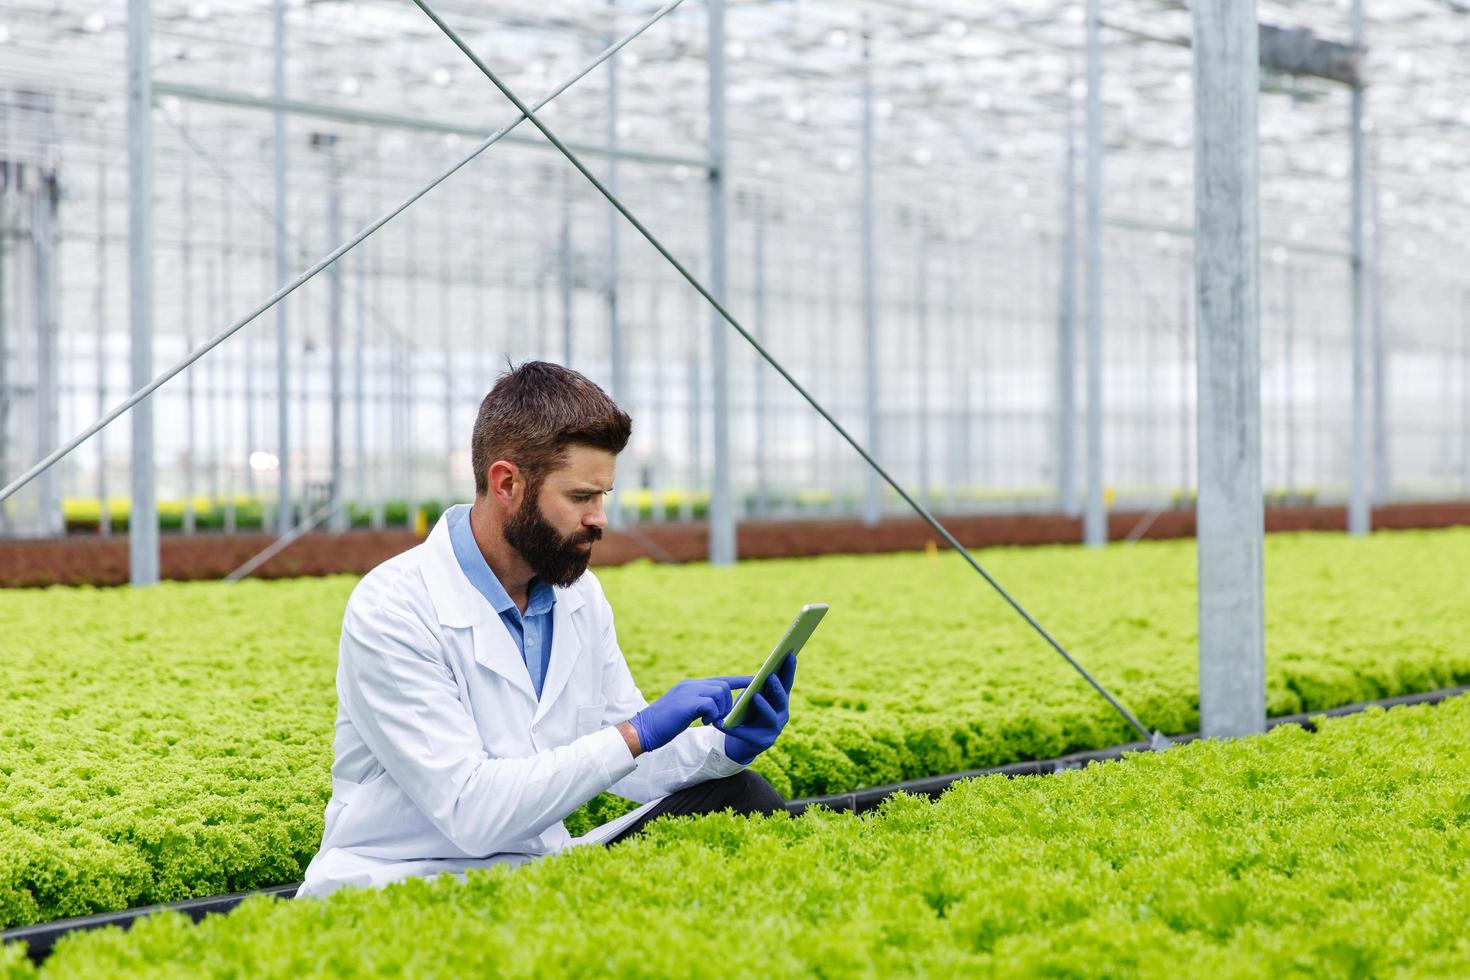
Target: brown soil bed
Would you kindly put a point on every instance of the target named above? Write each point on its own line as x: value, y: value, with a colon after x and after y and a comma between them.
x: 104, y: 561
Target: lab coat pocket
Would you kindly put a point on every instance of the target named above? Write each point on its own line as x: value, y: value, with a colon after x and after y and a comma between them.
x: 589, y: 717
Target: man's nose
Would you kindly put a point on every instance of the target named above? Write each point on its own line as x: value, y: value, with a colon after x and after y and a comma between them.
x: 598, y: 517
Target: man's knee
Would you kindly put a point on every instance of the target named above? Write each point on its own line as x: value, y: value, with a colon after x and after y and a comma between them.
x: 749, y: 792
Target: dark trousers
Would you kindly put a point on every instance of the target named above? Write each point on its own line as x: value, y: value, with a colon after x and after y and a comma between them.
x: 745, y: 792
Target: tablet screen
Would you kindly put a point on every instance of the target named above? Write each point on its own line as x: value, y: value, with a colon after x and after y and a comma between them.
x: 791, y: 641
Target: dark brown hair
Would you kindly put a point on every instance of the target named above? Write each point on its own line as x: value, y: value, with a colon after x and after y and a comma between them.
x: 533, y: 413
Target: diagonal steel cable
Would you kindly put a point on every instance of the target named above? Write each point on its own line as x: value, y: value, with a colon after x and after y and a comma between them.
x: 1156, y: 739
x: 204, y: 348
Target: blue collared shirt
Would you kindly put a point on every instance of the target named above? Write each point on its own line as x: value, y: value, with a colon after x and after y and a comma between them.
x: 532, y: 629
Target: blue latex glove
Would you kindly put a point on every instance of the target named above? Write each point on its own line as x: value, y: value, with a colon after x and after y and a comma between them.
x: 768, y: 714
x: 708, y: 698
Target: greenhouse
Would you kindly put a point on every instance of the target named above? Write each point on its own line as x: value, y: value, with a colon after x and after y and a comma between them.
x: 419, y: 419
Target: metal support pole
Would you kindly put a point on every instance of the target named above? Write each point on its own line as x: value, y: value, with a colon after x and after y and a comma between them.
x: 143, y: 508
x: 446, y: 316
x: 1095, y: 518
x: 227, y: 302
x: 762, y: 490
x: 564, y: 272
x: 186, y: 299
x: 48, y: 365
x: 696, y: 425
x: 359, y: 413
x: 337, y: 516
x: 1465, y: 393
x: 1186, y: 322
x: 1288, y: 368
x: 1382, y: 475
x: 283, y: 400
x: 213, y: 384
x: 7, y: 195
x: 921, y: 315
x: 1066, y: 434
x: 1359, y: 512
x: 872, y: 505
x: 104, y: 520
x: 1232, y: 636
x: 616, y: 353
x: 721, y: 509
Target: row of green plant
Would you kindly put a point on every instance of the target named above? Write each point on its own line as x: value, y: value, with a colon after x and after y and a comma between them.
x: 250, y: 514
x: 1341, y: 853
x: 84, y: 514
x: 175, y: 741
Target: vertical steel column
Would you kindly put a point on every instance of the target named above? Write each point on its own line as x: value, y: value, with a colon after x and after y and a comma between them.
x: 1066, y: 434
x: 762, y: 490
x: 143, y: 508
x: 616, y: 353
x: 186, y: 284
x: 721, y: 509
x: 660, y: 406
x: 7, y: 194
x: 104, y: 521
x: 1465, y: 393
x: 564, y: 271
x: 214, y: 370
x: 48, y: 365
x: 404, y: 368
x: 872, y: 505
x: 1360, y: 516
x: 1289, y: 369
x: 382, y: 475
x: 696, y: 425
x: 1232, y: 637
x: 1094, y: 518
x: 921, y: 315
x: 446, y: 303
x: 283, y: 412
x: 359, y: 408
x: 1186, y: 319
x: 337, y: 519
x: 229, y: 463
x: 1382, y: 475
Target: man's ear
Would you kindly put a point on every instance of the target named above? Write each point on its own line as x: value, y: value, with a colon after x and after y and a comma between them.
x: 503, y: 479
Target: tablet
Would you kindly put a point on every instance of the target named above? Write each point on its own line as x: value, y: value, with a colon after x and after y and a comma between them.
x: 791, y: 641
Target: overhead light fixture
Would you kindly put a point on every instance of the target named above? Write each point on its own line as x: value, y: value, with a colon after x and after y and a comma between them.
x: 94, y: 23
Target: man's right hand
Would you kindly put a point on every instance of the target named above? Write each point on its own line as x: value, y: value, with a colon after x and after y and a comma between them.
x: 708, y: 698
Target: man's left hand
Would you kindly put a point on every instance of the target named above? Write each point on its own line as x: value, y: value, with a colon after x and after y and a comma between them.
x: 769, y: 711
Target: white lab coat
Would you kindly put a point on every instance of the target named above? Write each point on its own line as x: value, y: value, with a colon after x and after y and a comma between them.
x: 444, y: 760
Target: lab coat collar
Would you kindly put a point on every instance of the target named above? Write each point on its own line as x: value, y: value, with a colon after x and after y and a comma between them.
x: 459, y: 604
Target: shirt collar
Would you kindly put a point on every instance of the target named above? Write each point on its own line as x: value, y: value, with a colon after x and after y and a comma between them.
x: 541, y: 597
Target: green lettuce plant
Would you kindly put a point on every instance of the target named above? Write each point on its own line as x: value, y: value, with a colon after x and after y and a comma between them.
x: 1341, y: 853
x: 172, y: 742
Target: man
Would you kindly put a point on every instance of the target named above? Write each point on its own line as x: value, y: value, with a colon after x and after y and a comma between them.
x: 481, y: 693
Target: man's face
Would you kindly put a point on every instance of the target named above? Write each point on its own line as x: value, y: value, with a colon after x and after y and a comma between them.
x: 553, y: 529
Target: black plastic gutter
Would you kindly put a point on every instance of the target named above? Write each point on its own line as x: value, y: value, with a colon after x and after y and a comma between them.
x: 42, y: 937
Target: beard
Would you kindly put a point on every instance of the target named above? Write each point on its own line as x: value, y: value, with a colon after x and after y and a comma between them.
x: 555, y: 559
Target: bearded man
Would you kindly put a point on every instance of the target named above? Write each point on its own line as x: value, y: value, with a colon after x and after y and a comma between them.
x: 481, y: 693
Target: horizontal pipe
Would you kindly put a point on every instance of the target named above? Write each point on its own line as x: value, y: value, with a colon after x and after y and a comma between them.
x: 43, y: 936
x: 316, y: 110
